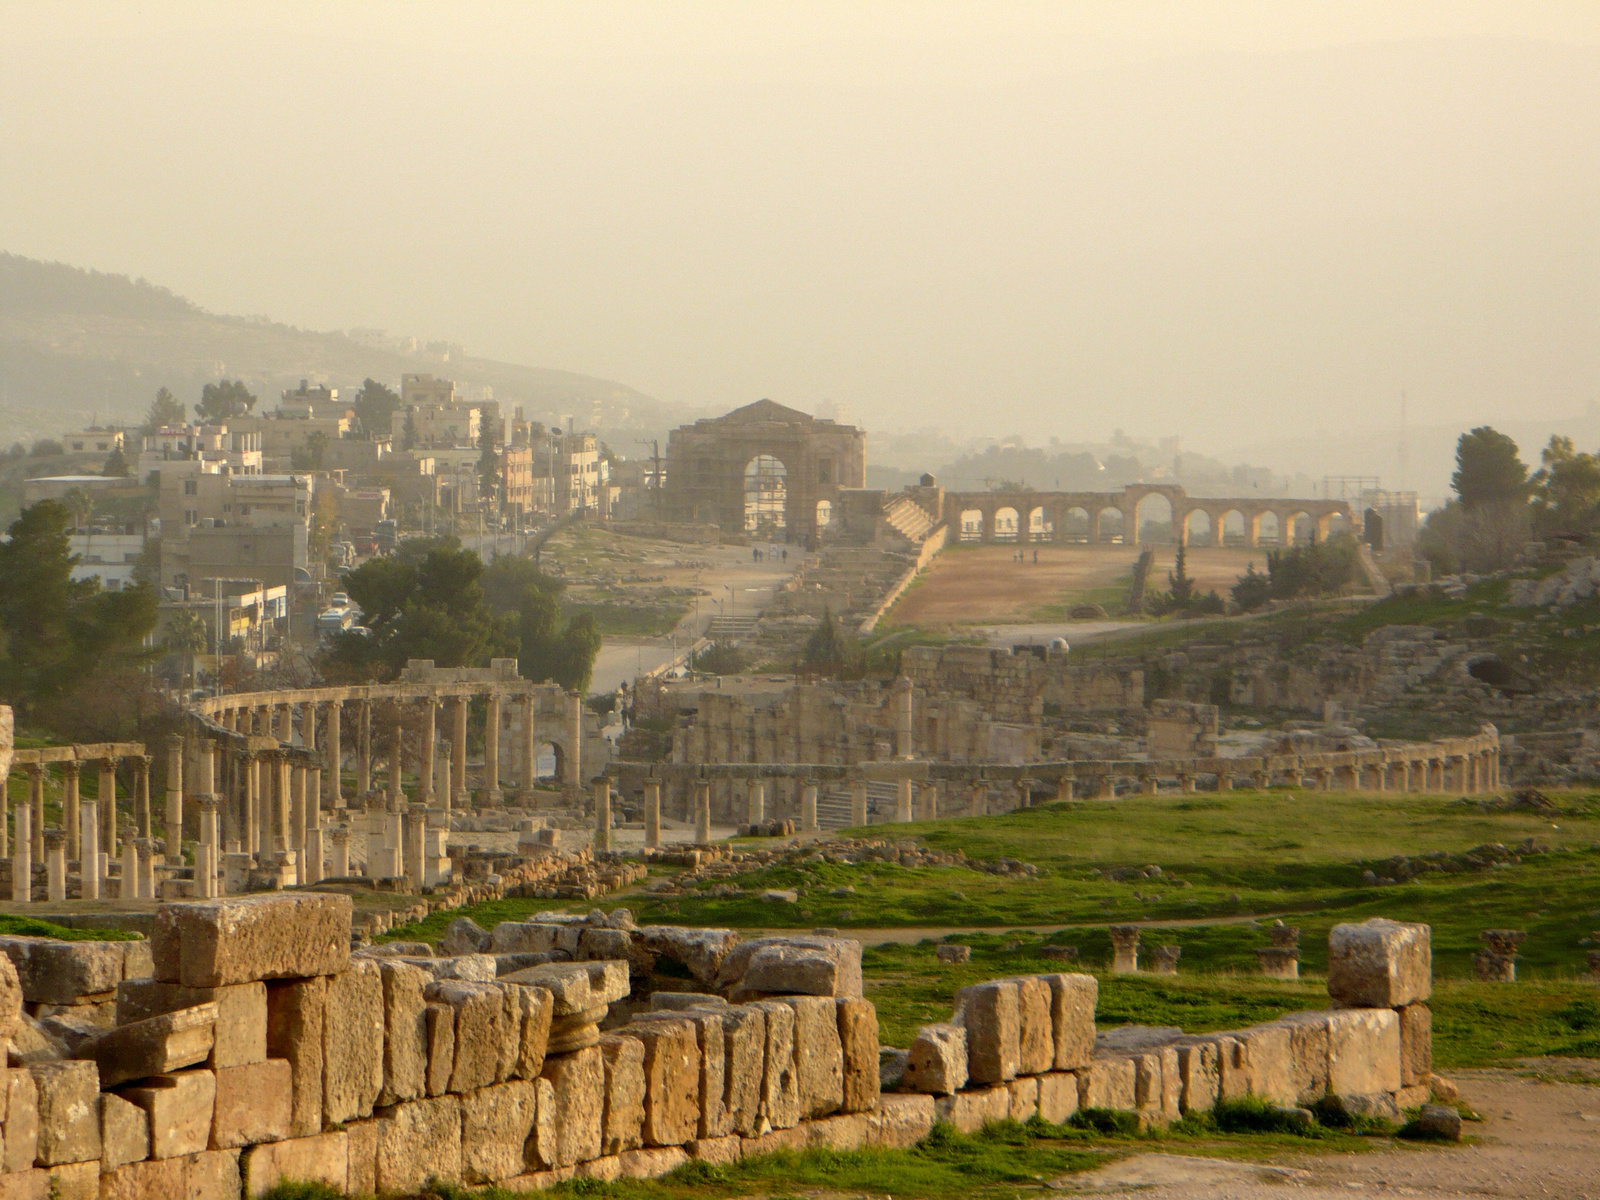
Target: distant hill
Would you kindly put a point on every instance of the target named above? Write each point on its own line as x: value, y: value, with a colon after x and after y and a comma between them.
x: 77, y: 345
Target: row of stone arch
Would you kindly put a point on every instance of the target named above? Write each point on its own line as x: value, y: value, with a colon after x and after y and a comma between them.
x: 1279, y: 526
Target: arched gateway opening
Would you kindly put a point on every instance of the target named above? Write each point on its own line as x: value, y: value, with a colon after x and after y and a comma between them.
x: 766, y: 497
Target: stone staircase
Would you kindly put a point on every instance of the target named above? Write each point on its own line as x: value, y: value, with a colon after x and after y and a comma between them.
x: 731, y: 629
x: 908, y: 518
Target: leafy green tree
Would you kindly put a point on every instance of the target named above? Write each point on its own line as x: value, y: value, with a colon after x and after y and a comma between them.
x: 221, y: 402
x: 1252, y: 590
x: 116, y: 465
x: 375, y: 405
x: 826, y: 650
x: 508, y: 577
x: 1489, y: 469
x: 408, y: 432
x: 1182, y: 587
x: 186, y: 635
x: 165, y: 409
x: 1566, y: 489
x: 488, y: 463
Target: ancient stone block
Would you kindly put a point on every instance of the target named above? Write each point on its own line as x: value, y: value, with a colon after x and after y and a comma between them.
x: 622, y: 1120
x: 858, y: 1036
x: 575, y: 1104
x: 1024, y: 1097
x: 650, y: 1163
x: 1036, y: 1051
x: 600, y: 944
x: 970, y: 1111
x: 134, y: 1181
x: 818, y: 1054
x: 10, y: 999
x: 718, y: 1151
x: 780, y: 1089
x: 153, y: 1046
x: 352, y: 1043
x: 1268, y: 1053
x: 464, y: 936
x: 521, y: 937
x: 240, y: 1034
x: 1058, y: 1096
x: 714, y: 1120
x: 419, y: 1139
x: 124, y: 1132
x: 296, y: 1011
x: 240, y: 939
x: 900, y: 1122
x: 1363, y: 1051
x: 702, y: 951
x: 181, y: 1106
x: 1308, y: 1055
x: 534, y: 1008
x: 771, y: 1142
x: 212, y: 1175
x: 989, y: 1014
x: 70, y: 1181
x: 937, y: 1061
x: 480, y: 1020
x: 951, y: 954
x: 405, y: 1031
x: 1072, y: 1004
x: 845, y: 1131
x: 1440, y: 1121
x: 255, y: 1103
x: 781, y: 959
x: 363, y: 1138
x: 68, y: 1112
x: 441, y: 1033
x: 1109, y: 1083
x: 1416, y: 1045
x: 20, y: 1097
x: 780, y: 969
x: 496, y: 1122
x: 576, y: 987
x: 1380, y: 964
x: 52, y: 972
x: 672, y: 1080
x: 1198, y: 1075
x: 744, y: 1042
x: 321, y: 1158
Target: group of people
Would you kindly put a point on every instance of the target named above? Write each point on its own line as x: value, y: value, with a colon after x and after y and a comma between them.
x: 772, y: 552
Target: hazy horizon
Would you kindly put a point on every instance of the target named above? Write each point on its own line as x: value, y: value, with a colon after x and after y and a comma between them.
x: 1234, y: 224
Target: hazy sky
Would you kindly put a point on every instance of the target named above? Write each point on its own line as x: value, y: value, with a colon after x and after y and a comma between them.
x: 1225, y: 221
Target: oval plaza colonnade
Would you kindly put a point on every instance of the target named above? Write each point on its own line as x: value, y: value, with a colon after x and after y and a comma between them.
x: 1055, y: 516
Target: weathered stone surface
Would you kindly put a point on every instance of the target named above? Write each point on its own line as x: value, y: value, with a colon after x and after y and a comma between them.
x: 10, y: 999
x: 240, y: 1034
x: 900, y: 1122
x: 1072, y: 1003
x: 124, y: 1132
x: 989, y: 1014
x: 1058, y: 1096
x: 678, y: 1001
x: 672, y: 1080
x: 1109, y: 1083
x: 534, y: 1008
x: 858, y: 1037
x: 1380, y: 964
x: 21, y: 1129
x: 240, y: 939
x: 1198, y: 1074
x: 32, y: 1042
x: 844, y: 1131
x: 405, y: 1031
x: 744, y: 1042
x: 951, y: 954
x: 937, y: 1061
x: 1036, y: 1051
x: 463, y: 936
x: 790, y: 961
x: 599, y: 944
x: 364, y: 1137
x: 255, y: 1103
x: 137, y: 1181
x: 650, y: 1163
x: 1363, y: 1051
x: 1024, y: 1097
x: 496, y: 1123
x: 791, y: 1138
x: 576, y: 1100
x: 576, y: 987
x: 472, y: 968
x: 622, y: 1119
x: 818, y: 1054
x: 715, y: 1120
x: 702, y: 951
x: 322, y: 1158
x: 780, y: 1089
x: 71, y: 1181
x: 352, y: 1043
x: 1267, y: 1051
x: 1416, y: 1045
x: 784, y: 969
x: 1308, y: 1055
x: 530, y: 937
x: 153, y: 1046
x: 419, y: 1139
x: 1157, y: 1086
x: 971, y: 1111
x: 441, y: 1032
x: 68, y: 1096
x: 1440, y: 1121
x: 52, y: 972
x: 212, y: 1175
x: 296, y: 1013
x: 181, y: 1106
x: 480, y: 1030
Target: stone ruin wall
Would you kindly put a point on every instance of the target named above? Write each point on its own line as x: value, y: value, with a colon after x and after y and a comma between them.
x: 245, y: 1044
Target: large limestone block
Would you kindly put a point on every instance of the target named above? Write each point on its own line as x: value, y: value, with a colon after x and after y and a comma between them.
x: 534, y: 1011
x: 240, y: 1034
x: 364, y: 1137
x: 255, y: 1103
x: 296, y: 1013
x: 68, y: 1112
x: 134, y: 1181
x: 20, y: 1098
x: 212, y: 1175
x: 818, y: 1054
x: 464, y: 936
x: 650, y: 1163
x: 672, y: 1080
x: 718, y: 1151
x: 441, y: 1025
x: 1380, y: 964
x: 352, y: 1043
x: 10, y: 999
x: 989, y: 1013
x: 1233, y: 1067
x: 153, y: 1046
x: 858, y: 1035
x: 1308, y: 1055
x: 52, y: 972
x: 405, y: 1031
x: 1058, y: 1096
x: 240, y: 939
x: 970, y: 1111
x: 181, y: 1106
x: 900, y: 1122
x: 1416, y: 1045
x: 496, y: 1123
x: 783, y: 969
x: 420, y: 1139
x: 322, y: 1158
x: 124, y: 1132
x: 622, y: 1121
x: 529, y: 937
x: 780, y: 1089
x: 846, y: 1131
x: 576, y: 1101
x: 1157, y: 1086
x: 702, y: 951
x: 790, y: 960
x: 1036, y: 1051
x: 1269, y: 1052
x: 1072, y: 1003
x: 1198, y: 1075
x: 480, y: 1031
x: 576, y: 987
x: 596, y: 944
x: 1109, y: 1083
x: 937, y: 1061
x: 715, y: 1120
x: 1363, y: 1051
x: 1024, y: 1097
x: 744, y: 1044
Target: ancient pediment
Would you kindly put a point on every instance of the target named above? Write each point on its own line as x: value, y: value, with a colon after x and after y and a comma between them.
x: 764, y: 411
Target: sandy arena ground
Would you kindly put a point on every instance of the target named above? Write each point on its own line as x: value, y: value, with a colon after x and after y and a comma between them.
x: 970, y: 585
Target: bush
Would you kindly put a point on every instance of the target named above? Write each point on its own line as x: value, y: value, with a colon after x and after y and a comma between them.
x: 1105, y: 1121
x: 1251, y: 1114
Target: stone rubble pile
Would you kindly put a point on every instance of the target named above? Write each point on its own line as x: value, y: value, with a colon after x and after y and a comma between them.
x: 1575, y: 582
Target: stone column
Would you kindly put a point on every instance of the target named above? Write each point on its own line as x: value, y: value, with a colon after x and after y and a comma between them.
x: 928, y: 802
x: 175, y: 791
x: 702, y: 813
x: 602, y: 815
x: 141, y: 795
x: 416, y: 818
x: 442, y: 781
x: 808, y: 808
x: 286, y: 724
x: 145, y: 848
x: 22, y: 855
x: 1497, y: 961
x: 69, y: 809
x: 1064, y: 788
x: 301, y: 815
x: 55, y: 864
x: 652, y: 815
x: 574, y: 739
x: 36, y: 778
x: 107, y: 795
x: 208, y: 854
x: 1125, y: 945
x: 425, y: 748
x: 491, y: 749
x: 1108, y: 786
x: 311, y: 858
x: 902, y: 801
x: 130, y: 871
x: 858, y: 802
x: 308, y: 738
x: 332, y: 750
x: 89, y: 849
x: 396, y: 766
x: 280, y: 804
x: 458, y: 752
x: 250, y: 835
x: 905, y: 734
x: 756, y: 803
x: 363, y: 750
x: 530, y: 752
x: 339, y: 835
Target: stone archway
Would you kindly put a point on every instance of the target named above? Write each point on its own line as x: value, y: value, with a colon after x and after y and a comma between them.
x: 766, y: 497
x: 1110, y: 526
x: 1231, y: 529
x: 824, y: 514
x: 1073, y: 525
x: 1040, y: 527
x: 972, y: 525
x: 1005, y: 524
x: 1198, y: 528
x: 1266, y: 530
x: 1299, y: 529
x: 1153, y: 519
